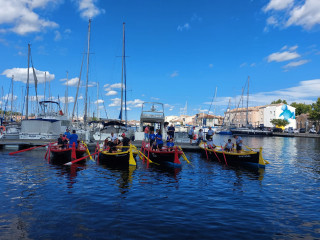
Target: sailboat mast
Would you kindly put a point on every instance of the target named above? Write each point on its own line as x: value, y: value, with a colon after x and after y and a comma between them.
x: 97, y: 100
x: 76, y: 100
x: 27, y: 99
x: 11, y: 96
x: 67, y: 96
x: 121, y: 105
x: 86, y: 95
x: 247, y: 117
x: 45, y: 83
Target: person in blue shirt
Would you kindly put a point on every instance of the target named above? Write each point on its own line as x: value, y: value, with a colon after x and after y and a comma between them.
x: 159, y: 139
x: 73, y: 138
x: 171, y: 130
x: 170, y: 144
x: 67, y: 134
x: 238, y: 143
x: 152, y: 137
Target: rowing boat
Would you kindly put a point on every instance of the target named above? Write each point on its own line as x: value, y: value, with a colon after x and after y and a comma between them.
x: 123, y: 156
x: 248, y: 157
x: 64, y: 155
x: 165, y: 156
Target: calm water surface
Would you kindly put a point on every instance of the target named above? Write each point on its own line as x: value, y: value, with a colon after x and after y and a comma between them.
x: 204, y: 200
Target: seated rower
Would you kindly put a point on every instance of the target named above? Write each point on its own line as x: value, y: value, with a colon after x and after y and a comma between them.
x: 229, y: 146
x: 106, y: 144
x: 170, y: 145
x: 210, y: 144
x: 73, y: 139
x: 61, y: 141
x: 125, y: 142
x: 152, y: 138
x: 159, y: 140
x: 154, y: 146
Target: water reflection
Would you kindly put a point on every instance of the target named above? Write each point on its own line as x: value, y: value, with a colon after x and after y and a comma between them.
x: 123, y: 175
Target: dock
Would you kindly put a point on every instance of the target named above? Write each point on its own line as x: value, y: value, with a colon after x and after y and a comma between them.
x: 23, y: 144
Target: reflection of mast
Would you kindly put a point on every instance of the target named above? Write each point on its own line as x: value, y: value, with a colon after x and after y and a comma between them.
x: 86, y: 96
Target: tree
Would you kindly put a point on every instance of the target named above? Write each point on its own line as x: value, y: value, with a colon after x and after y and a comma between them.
x: 279, y: 101
x: 280, y: 122
x: 301, y: 108
x: 315, y: 111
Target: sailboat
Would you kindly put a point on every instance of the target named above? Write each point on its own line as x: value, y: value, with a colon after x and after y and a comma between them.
x: 118, y: 126
x: 50, y: 120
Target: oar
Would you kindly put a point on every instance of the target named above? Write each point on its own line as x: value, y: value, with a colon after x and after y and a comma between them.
x: 28, y: 149
x: 147, y: 158
x: 224, y: 155
x: 215, y: 154
x: 184, y: 156
x: 205, y: 148
x: 87, y: 150
x: 79, y: 159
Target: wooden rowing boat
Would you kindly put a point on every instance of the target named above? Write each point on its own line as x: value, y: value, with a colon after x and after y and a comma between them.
x: 165, y: 156
x: 123, y: 156
x: 248, y: 157
x: 64, y: 155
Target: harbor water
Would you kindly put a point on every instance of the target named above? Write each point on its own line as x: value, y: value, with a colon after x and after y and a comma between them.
x: 202, y: 200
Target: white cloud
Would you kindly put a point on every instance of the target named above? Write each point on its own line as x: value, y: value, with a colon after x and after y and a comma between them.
x: 135, y: 103
x: 57, y: 35
x: 111, y: 93
x: 63, y: 99
x: 282, y: 56
x: 117, y: 85
x: 243, y: 64
x: 116, y: 102
x: 88, y: 9
x: 19, y: 16
x: 278, y: 5
x: 106, y: 85
x: 155, y: 98
x: 99, y: 101
x: 81, y: 97
x: 73, y: 82
x: 20, y: 75
x: 186, y: 26
x: 288, y: 13
x: 295, y: 64
x: 174, y: 74
x: 8, y: 97
x: 306, y: 91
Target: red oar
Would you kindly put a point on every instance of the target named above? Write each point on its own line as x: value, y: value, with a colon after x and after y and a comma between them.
x: 79, y: 159
x: 28, y: 149
x: 224, y: 156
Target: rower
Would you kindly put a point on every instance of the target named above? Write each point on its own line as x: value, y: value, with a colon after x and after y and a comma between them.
x: 125, y: 142
x: 73, y: 139
x: 159, y: 140
x: 67, y: 133
x: 210, y: 133
x: 238, y: 143
x: 170, y: 145
x: 60, y: 141
x: 210, y: 144
x: 229, y: 146
x: 152, y: 137
x: 113, y: 137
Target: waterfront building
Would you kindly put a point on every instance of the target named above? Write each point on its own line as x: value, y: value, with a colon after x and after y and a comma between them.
x: 260, y: 115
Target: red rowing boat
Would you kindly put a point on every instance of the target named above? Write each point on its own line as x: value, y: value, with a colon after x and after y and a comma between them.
x: 166, y: 156
x: 64, y: 155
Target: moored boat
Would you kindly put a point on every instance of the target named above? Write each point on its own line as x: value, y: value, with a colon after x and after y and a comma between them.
x: 248, y: 157
x: 123, y: 156
x: 64, y: 155
x: 165, y: 156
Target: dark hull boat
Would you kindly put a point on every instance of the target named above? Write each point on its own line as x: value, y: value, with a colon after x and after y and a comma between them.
x: 164, y: 156
x: 62, y: 156
x: 248, y: 158
x: 119, y: 158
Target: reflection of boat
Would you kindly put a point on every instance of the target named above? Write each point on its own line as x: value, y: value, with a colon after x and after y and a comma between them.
x: 249, y: 158
x: 122, y: 157
x: 62, y: 156
x: 163, y: 157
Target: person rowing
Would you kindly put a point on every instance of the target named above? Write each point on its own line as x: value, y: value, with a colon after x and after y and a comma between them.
x: 238, y: 143
x: 229, y: 146
x: 73, y: 139
x: 210, y: 144
x: 170, y: 145
x: 159, y: 140
x: 125, y: 142
x: 210, y: 133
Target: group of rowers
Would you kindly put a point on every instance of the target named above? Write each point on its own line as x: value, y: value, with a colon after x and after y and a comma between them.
x: 228, y: 147
x: 155, y: 140
x: 112, y: 143
x: 67, y: 139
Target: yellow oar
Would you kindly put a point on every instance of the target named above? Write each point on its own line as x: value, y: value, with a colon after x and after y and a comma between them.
x: 184, y: 156
x: 147, y: 158
x: 87, y: 151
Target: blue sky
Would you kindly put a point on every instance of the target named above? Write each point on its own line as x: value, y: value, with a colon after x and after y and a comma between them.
x: 178, y: 51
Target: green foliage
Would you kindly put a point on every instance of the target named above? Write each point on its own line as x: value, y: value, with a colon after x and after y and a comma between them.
x: 301, y: 108
x: 279, y: 122
x: 315, y: 110
x: 279, y: 101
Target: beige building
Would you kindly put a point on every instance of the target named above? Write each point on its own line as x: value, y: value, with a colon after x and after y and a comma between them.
x: 203, y: 119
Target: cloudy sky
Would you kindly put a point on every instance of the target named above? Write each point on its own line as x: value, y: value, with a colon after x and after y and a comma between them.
x: 177, y: 52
